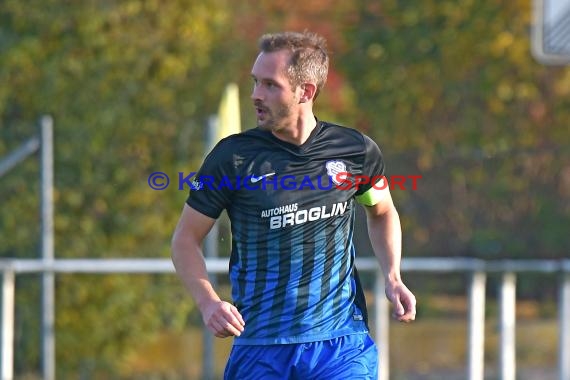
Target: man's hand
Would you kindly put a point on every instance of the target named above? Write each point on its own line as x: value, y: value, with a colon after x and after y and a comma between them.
x: 403, y: 300
x: 223, y: 319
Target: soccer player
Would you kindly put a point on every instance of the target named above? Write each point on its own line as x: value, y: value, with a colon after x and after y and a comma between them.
x: 298, y: 310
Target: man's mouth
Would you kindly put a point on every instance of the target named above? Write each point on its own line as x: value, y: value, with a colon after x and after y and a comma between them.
x: 260, y: 111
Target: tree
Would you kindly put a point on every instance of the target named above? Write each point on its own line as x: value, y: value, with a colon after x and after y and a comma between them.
x: 121, y: 81
x: 451, y: 92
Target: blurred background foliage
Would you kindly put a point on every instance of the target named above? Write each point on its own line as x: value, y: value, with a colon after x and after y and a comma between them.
x: 447, y: 88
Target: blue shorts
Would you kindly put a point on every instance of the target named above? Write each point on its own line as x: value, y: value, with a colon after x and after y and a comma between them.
x: 347, y: 357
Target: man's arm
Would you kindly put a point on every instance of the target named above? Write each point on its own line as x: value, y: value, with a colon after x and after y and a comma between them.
x: 385, y: 234
x: 222, y: 318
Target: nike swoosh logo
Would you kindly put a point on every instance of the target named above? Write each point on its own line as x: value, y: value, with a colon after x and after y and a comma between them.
x: 255, y: 179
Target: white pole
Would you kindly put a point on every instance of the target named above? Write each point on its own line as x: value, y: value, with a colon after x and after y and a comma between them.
x: 382, y: 323
x: 48, y: 283
x: 8, y: 289
x: 476, y: 348
x: 507, y: 327
x: 564, y: 326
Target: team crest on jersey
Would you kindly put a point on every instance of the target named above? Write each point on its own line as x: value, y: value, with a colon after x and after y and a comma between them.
x: 334, y: 168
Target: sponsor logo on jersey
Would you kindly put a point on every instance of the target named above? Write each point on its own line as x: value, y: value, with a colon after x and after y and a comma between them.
x: 279, y: 210
x: 255, y: 179
x: 290, y: 215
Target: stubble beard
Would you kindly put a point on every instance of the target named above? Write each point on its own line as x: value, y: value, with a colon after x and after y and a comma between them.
x: 276, y: 120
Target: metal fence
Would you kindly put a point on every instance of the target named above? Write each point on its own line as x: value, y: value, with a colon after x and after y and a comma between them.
x: 477, y: 270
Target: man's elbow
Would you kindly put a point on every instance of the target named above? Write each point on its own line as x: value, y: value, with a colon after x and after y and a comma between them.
x: 175, y: 244
x: 381, y: 210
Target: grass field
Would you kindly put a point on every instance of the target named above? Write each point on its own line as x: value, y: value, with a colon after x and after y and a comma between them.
x: 427, y: 349
x: 434, y: 347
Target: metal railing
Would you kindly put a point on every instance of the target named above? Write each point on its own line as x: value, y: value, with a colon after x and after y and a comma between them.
x: 478, y: 270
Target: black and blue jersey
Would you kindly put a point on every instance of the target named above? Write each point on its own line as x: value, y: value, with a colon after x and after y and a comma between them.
x: 292, y: 219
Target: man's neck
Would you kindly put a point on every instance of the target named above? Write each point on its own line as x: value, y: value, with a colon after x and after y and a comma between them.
x: 298, y: 133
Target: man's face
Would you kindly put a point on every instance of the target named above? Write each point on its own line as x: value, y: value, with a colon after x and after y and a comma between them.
x: 276, y: 102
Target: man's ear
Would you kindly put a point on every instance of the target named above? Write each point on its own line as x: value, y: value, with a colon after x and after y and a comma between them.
x: 308, y: 91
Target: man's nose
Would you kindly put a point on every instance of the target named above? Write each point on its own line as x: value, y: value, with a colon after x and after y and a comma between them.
x: 256, y: 93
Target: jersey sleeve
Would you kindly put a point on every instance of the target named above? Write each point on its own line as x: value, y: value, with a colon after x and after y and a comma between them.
x: 373, y: 167
x: 211, y: 189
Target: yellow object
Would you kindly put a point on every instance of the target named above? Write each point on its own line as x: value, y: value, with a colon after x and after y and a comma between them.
x: 228, y: 113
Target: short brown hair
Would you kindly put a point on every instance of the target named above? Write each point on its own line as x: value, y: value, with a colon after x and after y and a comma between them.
x: 309, y: 58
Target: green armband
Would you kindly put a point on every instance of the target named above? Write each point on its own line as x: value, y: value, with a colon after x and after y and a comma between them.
x: 370, y: 197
